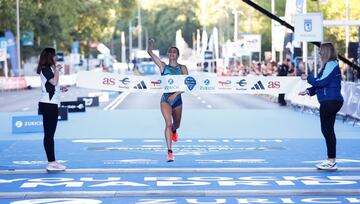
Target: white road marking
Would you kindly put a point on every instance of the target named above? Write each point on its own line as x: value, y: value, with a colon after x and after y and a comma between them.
x: 117, y: 101
x: 124, y: 95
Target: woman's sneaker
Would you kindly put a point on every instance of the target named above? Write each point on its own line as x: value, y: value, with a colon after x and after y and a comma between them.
x: 174, y: 136
x: 327, y: 165
x: 170, y: 157
x: 55, y: 166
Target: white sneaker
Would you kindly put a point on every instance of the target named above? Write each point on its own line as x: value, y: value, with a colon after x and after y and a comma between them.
x: 327, y: 165
x: 55, y: 166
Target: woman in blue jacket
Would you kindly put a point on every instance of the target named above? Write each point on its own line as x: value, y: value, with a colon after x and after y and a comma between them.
x: 327, y: 87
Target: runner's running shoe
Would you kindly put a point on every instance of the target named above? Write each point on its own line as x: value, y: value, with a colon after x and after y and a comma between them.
x: 174, y: 136
x: 327, y: 165
x: 170, y: 157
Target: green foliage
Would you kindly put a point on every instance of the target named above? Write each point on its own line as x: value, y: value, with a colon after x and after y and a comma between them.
x: 163, y: 24
x: 335, y: 10
x: 54, y: 21
x: 60, y: 22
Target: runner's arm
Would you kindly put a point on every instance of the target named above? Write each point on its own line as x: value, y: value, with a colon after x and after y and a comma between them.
x: 155, y: 58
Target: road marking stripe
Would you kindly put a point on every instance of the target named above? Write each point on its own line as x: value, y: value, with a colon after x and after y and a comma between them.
x: 182, y: 193
x: 176, y: 170
x: 124, y: 95
x: 116, y: 101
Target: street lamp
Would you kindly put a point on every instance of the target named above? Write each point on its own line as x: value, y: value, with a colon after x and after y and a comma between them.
x: 139, y: 25
x: 18, y: 37
x: 227, y: 23
x: 236, y: 12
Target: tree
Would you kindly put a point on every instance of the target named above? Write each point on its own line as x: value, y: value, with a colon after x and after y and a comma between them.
x: 335, y: 10
x: 163, y: 19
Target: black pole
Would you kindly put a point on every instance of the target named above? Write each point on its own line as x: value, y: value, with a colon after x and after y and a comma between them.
x: 284, y: 23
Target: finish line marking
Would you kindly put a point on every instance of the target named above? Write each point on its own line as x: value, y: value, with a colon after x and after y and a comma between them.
x: 176, y: 170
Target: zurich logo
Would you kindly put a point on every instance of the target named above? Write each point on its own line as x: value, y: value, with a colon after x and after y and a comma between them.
x: 308, y: 25
x: 207, y: 82
x: 19, y: 124
x: 171, y: 81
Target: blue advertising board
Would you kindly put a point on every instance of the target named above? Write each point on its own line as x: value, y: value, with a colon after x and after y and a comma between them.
x: 27, y: 124
x: 27, y: 38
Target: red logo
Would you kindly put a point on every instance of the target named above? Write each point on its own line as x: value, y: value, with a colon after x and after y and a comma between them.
x: 224, y: 83
x: 156, y: 83
x: 274, y: 84
x: 108, y: 81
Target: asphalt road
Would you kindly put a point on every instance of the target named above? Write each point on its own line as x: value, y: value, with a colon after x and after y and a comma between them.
x: 27, y: 100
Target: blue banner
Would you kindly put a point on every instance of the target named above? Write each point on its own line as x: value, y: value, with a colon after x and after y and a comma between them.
x: 3, y: 43
x: 27, y: 124
x: 27, y: 38
x: 11, y: 50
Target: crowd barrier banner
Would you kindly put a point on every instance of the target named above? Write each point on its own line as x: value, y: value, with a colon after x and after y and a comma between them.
x: 352, y: 100
x: 27, y: 124
x: 349, y: 90
x: 187, y: 83
x: 90, y: 101
x: 34, y: 81
x: 73, y: 106
x: 11, y: 83
x: 63, y: 114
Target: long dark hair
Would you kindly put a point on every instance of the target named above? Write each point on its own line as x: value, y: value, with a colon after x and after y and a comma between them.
x: 46, y: 59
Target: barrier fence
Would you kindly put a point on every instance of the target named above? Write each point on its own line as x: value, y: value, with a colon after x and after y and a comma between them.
x: 349, y: 90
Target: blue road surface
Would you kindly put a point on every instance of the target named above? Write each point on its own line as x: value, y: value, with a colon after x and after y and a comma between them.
x: 192, y: 200
x: 255, y: 153
x: 198, y: 123
x: 189, y: 153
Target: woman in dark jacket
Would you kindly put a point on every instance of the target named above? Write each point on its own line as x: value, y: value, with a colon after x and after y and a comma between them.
x: 327, y: 87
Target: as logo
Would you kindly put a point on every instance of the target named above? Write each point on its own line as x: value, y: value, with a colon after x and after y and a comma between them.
x: 108, y: 81
x: 274, y: 84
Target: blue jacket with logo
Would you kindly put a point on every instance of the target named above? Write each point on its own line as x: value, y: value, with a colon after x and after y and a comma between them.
x: 327, y: 85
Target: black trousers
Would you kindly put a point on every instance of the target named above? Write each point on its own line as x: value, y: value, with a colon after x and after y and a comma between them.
x: 328, y: 111
x: 50, y: 118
